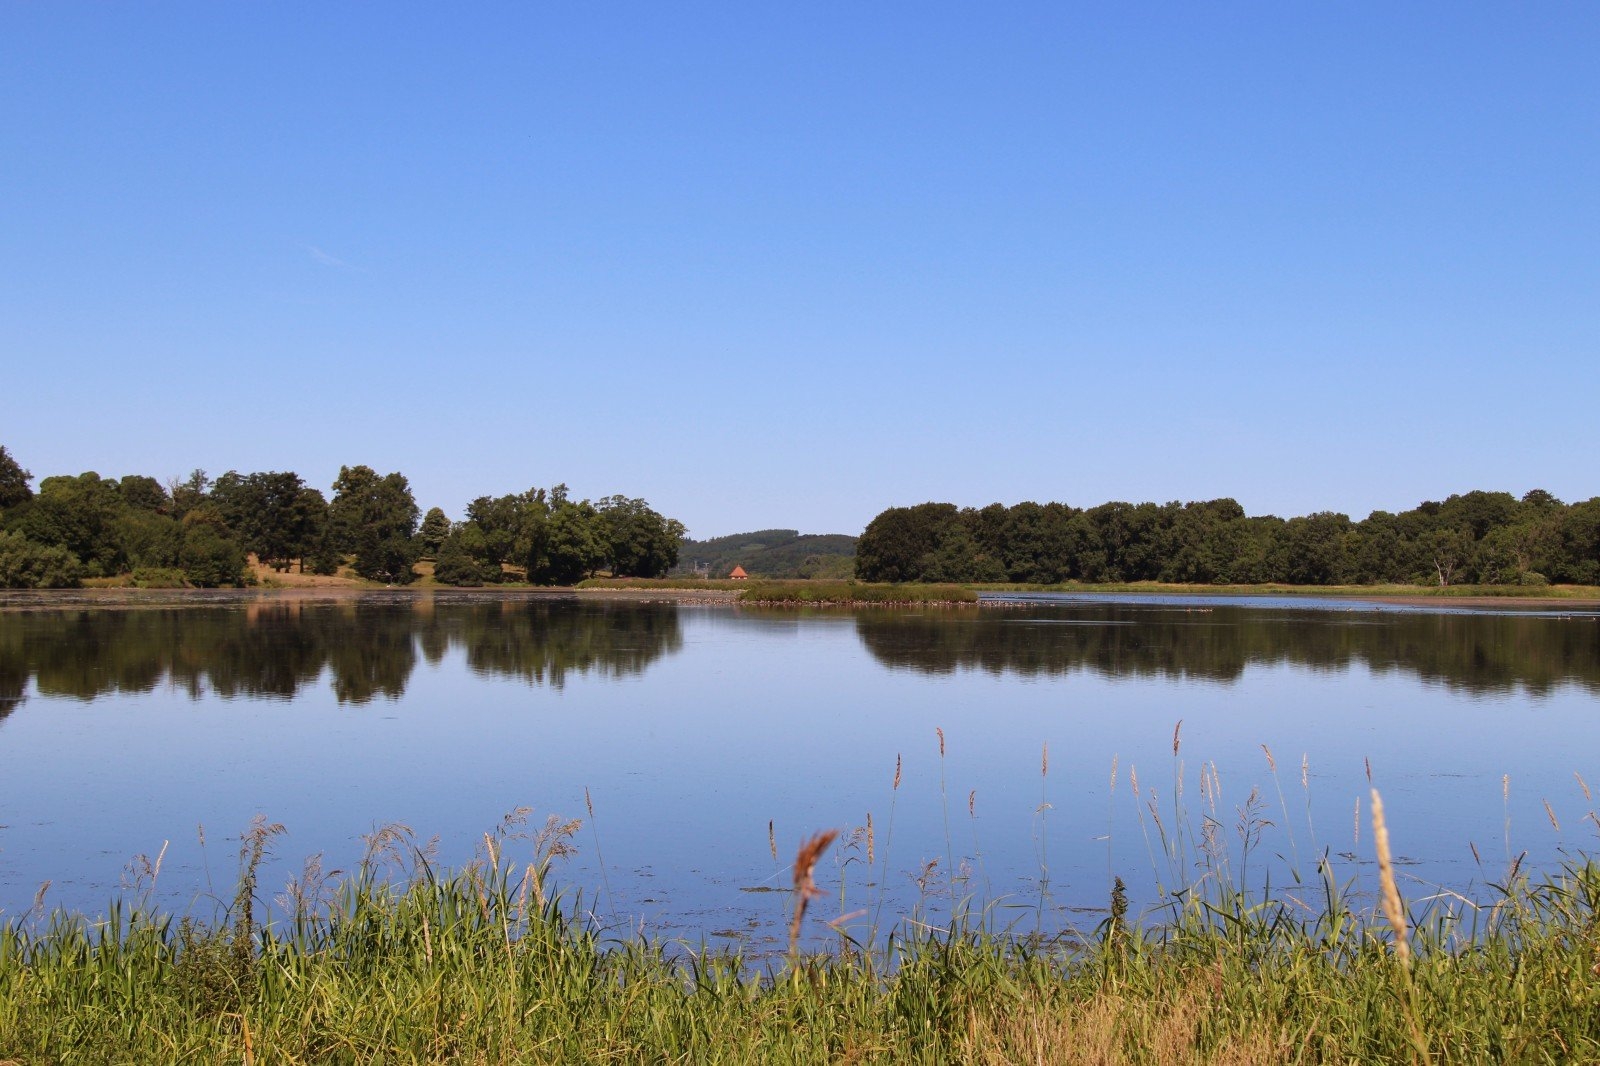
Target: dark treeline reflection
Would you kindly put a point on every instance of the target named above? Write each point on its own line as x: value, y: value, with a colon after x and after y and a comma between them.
x: 1482, y: 654
x: 366, y: 650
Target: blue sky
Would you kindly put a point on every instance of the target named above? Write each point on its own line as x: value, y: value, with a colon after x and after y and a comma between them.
x: 788, y: 265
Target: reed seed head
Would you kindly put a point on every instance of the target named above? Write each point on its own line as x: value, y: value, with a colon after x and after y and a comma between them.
x: 940, y: 731
x: 972, y: 801
x: 1583, y: 785
x: 1044, y: 760
x: 896, y: 786
x: 1551, y: 814
x: 805, y: 860
x: 1176, y: 730
x: 1272, y: 764
x: 1392, y: 907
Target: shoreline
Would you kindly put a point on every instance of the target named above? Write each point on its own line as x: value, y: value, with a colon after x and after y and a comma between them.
x: 13, y: 600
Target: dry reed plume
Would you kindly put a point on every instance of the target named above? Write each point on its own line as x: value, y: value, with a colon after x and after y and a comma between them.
x: 1392, y: 907
x: 805, y: 860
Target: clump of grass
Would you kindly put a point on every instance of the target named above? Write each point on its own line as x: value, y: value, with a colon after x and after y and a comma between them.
x: 846, y: 593
x: 659, y: 583
x: 400, y: 960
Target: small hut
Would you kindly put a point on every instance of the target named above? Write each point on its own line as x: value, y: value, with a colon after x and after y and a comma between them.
x: 738, y: 574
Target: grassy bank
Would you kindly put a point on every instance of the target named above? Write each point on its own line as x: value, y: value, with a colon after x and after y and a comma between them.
x: 1552, y: 592
x: 721, y: 584
x: 853, y: 592
x: 401, y: 962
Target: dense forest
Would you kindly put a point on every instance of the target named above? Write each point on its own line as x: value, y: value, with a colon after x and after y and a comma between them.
x: 1473, y: 538
x: 199, y: 531
x: 770, y: 553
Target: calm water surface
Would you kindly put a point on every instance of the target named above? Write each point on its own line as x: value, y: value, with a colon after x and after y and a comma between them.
x: 694, y: 727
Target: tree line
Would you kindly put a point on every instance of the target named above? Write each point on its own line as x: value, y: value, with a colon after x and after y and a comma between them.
x: 200, y: 531
x: 1472, y: 538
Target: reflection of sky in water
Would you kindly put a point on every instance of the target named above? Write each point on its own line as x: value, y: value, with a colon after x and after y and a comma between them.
x: 747, y: 717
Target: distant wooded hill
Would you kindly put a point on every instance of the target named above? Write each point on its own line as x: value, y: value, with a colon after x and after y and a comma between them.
x: 771, y: 553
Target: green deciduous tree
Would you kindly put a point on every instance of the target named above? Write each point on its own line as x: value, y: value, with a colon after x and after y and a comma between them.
x: 375, y: 519
x: 435, y: 528
x: 1448, y: 550
x: 14, y: 488
x: 27, y: 565
x: 144, y: 494
x: 895, y: 544
x: 639, y: 541
x: 189, y: 493
x: 209, y: 557
x: 456, y: 563
x: 576, y: 544
x: 79, y: 514
x: 272, y: 514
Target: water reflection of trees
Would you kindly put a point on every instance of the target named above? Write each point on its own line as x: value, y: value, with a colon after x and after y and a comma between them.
x: 1482, y: 654
x: 276, y: 649
x: 542, y: 643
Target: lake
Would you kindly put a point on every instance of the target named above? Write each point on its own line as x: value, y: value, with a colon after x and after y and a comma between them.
x: 995, y: 748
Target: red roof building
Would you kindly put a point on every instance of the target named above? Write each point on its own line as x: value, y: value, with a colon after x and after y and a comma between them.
x: 739, y: 574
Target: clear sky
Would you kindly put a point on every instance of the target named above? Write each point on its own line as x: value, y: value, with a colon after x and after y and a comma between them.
x: 787, y: 265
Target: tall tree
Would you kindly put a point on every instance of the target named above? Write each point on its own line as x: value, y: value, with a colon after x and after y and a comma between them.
x: 576, y: 545
x: 189, y: 493
x: 14, y: 480
x: 375, y: 519
x: 144, y: 494
x: 79, y: 514
x: 640, y: 542
x: 898, y: 544
x: 273, y: 514
x: 209, y: 556
x: 435, y: 528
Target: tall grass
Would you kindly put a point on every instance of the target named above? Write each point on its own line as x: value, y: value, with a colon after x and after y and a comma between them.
x: 401, y: 961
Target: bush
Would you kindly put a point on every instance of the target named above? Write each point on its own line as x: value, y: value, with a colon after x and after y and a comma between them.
x: 209, y: 558
x: 158, y: 577
x: 1533, y: 577
x: 27, y: 565
x: 455, y: 567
